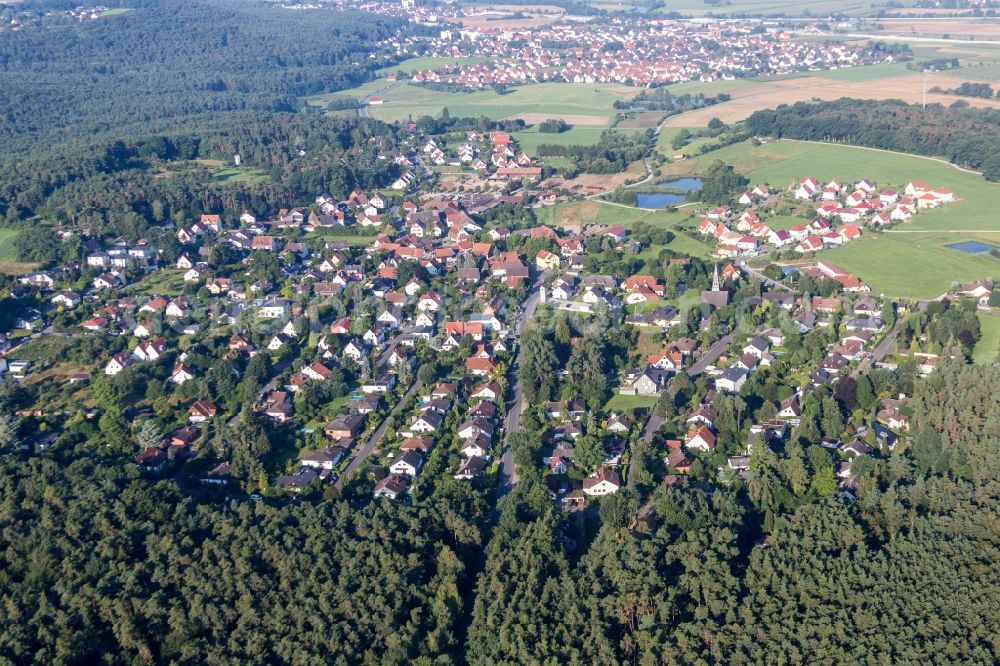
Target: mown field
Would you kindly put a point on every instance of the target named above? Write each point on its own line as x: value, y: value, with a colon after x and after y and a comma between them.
x: 9, y: 265
x: 225, y: 173
x: 7, y: 250
x: 530, y: 139
x: 579, y: 104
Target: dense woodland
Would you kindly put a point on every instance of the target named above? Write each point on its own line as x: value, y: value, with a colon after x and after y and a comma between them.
x: 98, y: 562
x: 964, y: 135
x: 169, y: 60
x: 100, y: 566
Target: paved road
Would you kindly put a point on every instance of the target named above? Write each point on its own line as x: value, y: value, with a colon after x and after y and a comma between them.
x: 655, y: 420
x: 713, y: 353
x: 365, y: 451
x: 512, y: 422
x: 881, y: 349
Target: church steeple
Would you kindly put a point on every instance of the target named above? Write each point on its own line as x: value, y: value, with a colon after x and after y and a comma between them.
x: 715, y: 278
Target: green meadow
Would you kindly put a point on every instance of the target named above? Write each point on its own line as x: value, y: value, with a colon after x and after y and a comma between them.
x: 581, y: 213
x: 404, y: 100
x: 530, y: 139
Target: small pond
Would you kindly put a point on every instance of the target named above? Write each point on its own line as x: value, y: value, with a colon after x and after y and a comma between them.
x: 658, y: 200
x: 679, y: 184
x: 971, y: 247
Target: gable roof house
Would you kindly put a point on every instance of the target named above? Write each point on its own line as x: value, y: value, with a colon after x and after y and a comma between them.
x: 701, y: 439
x: 201, y: 411
x: 605, y: 481
x: 407, y: 463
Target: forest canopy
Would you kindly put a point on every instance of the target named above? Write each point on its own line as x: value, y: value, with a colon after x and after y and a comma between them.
x: 176, y: 59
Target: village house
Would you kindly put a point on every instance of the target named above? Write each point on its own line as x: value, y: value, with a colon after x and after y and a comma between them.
x: 605, y: 481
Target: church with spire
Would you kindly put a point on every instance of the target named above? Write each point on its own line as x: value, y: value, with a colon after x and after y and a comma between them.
x: 716, y: 297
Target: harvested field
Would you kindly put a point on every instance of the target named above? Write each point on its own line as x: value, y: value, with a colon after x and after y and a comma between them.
x: 771, y: 94
x: 572, y: 119
x: 642, y: 120
x: 593, y: 183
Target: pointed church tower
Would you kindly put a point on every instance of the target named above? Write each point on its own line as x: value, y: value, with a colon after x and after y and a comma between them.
x: 715, y: 278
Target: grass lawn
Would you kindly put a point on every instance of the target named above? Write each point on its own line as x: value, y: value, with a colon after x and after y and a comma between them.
x: 578, y: 213
x: 404, y: 100
x: 530, y: 139
x: 232, y: 174
x: 164, y: 282
x: 909, y: 260
x: 7, y: 250
x: 240, y: 175
x: 666, y: 137
x: 47, y: 349
x: 9, y: 265
x: 783, y: 221
x: 989, y: 342
x: 347, y: 238
x: 620, y: 403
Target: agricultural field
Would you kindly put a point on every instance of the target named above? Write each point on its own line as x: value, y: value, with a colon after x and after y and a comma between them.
x: 989, y: 342
x: 772, y: 7
x: 875, y: 82
x: 968, y: 28
x: 910, y: 260
x: 530, y: 139
x: 577, y: 104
